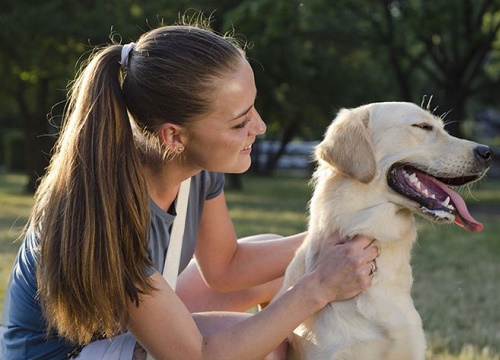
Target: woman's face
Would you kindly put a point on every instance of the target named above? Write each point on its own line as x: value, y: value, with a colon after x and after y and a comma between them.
x: 222, y: 141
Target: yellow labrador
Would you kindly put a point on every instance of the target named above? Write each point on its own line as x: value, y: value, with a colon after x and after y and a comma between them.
x: 378, y: 165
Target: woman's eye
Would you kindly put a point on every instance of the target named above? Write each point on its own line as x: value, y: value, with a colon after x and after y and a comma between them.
x: 424, y: 126
x: 242, y: 124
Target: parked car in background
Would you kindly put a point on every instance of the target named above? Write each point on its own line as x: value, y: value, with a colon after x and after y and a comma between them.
x: 297, y: 155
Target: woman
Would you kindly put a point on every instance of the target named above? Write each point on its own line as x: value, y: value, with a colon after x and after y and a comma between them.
x: 141, y: 119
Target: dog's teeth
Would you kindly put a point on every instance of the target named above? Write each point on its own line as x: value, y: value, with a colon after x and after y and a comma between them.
x: 414, y: 180
x: 433, y: 196
x: 446, y: 202
x: 425, y: 192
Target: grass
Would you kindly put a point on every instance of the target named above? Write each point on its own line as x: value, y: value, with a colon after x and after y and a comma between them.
x: 456, y: 273
x: 14, y: 211
x: 483, y: 193
x: 456, y: 287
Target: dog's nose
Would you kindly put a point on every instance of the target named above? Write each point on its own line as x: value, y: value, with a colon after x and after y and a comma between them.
x: 483, y: 153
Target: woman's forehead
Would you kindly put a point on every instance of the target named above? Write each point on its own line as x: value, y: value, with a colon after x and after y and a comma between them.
x: 236, y: 93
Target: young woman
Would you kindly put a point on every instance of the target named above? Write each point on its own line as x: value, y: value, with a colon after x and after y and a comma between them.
x: 87, y: 282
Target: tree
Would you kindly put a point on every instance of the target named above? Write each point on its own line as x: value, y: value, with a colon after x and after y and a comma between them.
x: 299, y: 72
x: 40, y: 43
x: 440, y: 48
x: 310, y: 57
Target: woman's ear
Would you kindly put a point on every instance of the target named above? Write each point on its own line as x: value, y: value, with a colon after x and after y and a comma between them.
x: 170, y: 137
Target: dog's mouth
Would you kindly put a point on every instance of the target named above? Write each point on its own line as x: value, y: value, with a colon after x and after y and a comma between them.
x: 433, y: 194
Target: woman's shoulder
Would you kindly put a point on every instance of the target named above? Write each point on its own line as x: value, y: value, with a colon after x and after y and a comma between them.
x: 208, y: 176
x: 209, y: 183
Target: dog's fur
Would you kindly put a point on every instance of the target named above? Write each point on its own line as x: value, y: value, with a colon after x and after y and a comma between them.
x: 352, y: 197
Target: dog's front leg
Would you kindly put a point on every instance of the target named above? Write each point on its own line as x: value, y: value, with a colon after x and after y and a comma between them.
x: 295, y: 270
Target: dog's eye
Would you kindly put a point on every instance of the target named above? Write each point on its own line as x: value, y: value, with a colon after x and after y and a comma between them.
x: 424, y: 126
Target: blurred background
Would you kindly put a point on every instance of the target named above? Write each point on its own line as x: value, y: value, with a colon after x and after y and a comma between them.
x: 310, y: 58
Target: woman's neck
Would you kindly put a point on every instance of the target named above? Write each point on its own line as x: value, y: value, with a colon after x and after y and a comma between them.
x: 163, y: 184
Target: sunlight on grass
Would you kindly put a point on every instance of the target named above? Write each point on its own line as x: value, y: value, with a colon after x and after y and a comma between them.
x: 468, y: 352
x: 482, y: 193
x: 14, y: 210
x: 264, y: 221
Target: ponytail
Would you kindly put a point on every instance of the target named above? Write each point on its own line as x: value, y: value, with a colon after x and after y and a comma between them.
x: 92, y: 211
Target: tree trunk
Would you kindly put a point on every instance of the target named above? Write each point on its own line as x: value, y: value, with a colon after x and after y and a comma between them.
x: 235, y: 182
x: 453, y: 105
x: 38, y: 142
x: 288, y: 134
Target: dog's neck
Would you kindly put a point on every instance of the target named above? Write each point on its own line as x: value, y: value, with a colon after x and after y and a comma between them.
x: 353, y: 208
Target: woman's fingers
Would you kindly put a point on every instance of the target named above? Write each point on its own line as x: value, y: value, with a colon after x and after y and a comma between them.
x: 349, y: 266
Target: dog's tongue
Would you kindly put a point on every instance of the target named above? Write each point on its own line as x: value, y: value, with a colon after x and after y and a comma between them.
x: 462, y: 218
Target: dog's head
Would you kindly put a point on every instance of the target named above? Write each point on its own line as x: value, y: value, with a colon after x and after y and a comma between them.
x: 405, y: 148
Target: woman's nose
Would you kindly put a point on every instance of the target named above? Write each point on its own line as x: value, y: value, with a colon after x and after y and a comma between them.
x: 259, y: 126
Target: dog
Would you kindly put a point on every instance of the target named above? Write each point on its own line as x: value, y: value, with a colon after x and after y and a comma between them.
x: 378, y: 165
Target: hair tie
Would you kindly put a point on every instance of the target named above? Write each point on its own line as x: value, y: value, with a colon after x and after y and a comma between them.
x: 126, y: 49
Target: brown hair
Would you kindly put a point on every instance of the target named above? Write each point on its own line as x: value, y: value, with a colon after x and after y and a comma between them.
x: 92, y: 207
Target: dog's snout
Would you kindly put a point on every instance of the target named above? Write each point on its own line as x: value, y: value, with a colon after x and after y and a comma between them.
x: 483, y: 153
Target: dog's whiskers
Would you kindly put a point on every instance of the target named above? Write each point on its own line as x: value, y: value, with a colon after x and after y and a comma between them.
x: 428, y: 105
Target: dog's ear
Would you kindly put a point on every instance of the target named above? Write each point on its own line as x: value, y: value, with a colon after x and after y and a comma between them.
x: 347, y: 145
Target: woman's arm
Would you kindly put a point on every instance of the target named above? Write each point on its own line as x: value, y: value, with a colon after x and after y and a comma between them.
x: 227, y: 265
x: 165, y: 328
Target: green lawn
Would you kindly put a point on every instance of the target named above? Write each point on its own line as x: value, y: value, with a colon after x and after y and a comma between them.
x: 14, y: 210
x: 457, y: 273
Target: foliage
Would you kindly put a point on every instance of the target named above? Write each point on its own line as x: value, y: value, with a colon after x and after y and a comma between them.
x: 40, y: 43
x: 310, y: 57
x: 449, y: 54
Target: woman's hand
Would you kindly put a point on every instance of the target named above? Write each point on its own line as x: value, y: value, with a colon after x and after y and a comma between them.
x: 344, y: 269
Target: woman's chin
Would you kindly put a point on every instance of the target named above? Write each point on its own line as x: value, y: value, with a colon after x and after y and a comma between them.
x: 240, y: 168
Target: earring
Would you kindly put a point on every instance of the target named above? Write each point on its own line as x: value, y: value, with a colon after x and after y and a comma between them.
x: 180, y: 149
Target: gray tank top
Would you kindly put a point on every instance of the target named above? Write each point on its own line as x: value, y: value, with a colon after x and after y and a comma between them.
x: 204, y: 186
